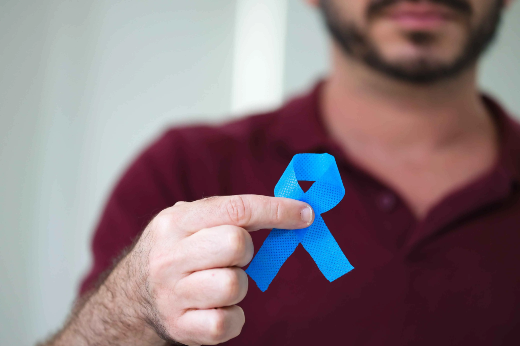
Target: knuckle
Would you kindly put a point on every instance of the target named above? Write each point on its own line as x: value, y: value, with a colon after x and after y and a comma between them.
x: 237, y: 210
x: 237, y: 242
x: 218, y: 326
x: 165, y: 220
x: 179, y: 203
x: 172, y: 218
x: 230, y: 285
x: 241, y: 320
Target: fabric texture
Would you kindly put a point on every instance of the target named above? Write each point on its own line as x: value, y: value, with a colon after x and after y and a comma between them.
x: 451, y: 278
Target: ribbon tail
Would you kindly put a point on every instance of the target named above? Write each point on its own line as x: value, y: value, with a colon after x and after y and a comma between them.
x: 325, y: 251
x: 279, y: 245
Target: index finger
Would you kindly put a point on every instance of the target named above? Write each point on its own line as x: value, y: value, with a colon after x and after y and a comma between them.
x: 251, y: 212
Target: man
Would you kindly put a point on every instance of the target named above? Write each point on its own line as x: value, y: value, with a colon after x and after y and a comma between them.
x: 429, y: 220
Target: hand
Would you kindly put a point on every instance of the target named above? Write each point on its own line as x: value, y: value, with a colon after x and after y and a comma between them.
x: 187, y: 263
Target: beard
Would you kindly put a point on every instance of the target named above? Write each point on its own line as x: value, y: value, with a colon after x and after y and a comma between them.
x: 356, y: 43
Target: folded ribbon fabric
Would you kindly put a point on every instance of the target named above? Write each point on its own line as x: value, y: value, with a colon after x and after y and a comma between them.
x: 324, y: 194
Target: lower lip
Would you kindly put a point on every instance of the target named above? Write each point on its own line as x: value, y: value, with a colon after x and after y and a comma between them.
x: 420, y: 22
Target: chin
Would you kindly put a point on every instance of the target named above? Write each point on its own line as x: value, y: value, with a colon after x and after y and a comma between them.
x: 430, y: 51
x: 416, y: 57
x: 440, y: 46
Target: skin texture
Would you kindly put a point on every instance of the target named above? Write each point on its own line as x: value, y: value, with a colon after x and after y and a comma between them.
x: 183, y: 278
x: 423, y: 140
x: 181, y: 281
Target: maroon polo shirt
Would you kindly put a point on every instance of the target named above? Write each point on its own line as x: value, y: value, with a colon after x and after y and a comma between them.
x: 452, y: 278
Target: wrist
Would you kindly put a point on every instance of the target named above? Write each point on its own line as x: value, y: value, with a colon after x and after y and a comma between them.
x: 113, y: 314
x: 123, y: 292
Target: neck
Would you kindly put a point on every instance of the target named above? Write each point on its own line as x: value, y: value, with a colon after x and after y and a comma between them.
x: 362, y: 105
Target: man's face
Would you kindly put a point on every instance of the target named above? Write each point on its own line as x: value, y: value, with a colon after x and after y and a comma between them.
x: 418, y: 41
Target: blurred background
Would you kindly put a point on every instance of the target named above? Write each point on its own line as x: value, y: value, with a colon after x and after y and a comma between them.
x: 85, y: 84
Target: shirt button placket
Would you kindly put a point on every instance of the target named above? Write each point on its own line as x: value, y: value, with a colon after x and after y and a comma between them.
x: 386, y: 201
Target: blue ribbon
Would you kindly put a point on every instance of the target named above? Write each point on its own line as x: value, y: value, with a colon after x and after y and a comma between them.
x: 324, y: 194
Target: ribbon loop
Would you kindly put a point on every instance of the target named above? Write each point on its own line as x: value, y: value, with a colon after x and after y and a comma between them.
x: 324, y: 194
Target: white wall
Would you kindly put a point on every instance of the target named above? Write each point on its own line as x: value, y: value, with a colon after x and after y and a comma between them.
x: 85, y: 84
x: 21, y: 81
x: 307, y: 48
x: 500, y: 71
x: 259, y: 55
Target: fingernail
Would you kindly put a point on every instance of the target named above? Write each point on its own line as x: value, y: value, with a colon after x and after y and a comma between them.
x: 307, y: 215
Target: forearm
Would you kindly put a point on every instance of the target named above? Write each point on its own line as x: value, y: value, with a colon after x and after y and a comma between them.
x: 111, y: 315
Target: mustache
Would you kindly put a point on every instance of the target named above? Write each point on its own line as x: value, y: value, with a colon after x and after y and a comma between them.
x: 461, y: 6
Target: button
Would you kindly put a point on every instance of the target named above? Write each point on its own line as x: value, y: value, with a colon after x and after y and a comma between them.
x: 386, y: 201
